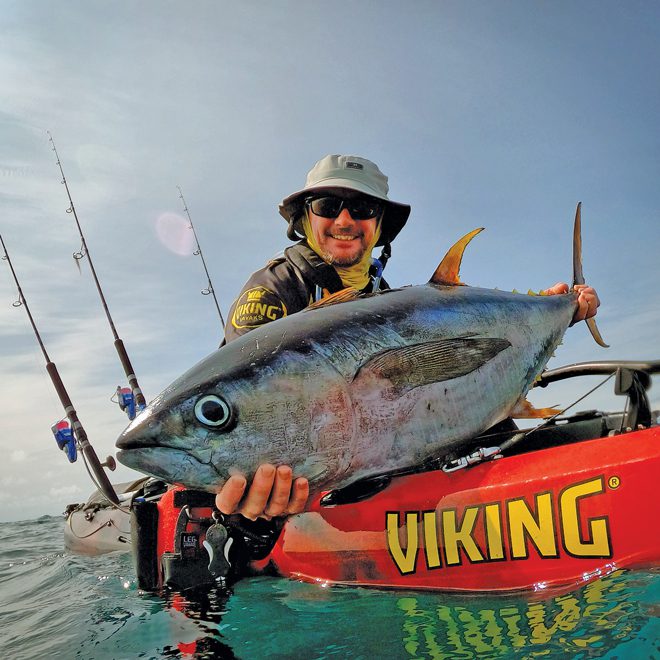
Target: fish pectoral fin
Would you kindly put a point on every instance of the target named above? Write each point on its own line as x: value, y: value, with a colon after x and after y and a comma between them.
x: 525, y: 410
x: 345, y: 295
x: 447, y: 272
x: 433, y: 361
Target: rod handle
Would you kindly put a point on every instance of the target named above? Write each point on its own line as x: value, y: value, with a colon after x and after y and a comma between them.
x: 103, y: 482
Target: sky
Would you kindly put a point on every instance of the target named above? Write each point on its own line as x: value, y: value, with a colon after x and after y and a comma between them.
x: 496, y: 114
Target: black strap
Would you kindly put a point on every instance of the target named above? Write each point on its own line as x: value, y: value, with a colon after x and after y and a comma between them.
x: 313, y: 268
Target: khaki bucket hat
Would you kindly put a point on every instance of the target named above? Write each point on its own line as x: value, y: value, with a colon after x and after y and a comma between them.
x: 336, y: 172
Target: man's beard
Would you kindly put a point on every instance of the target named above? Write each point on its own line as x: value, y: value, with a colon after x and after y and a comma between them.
x: 344, y: 262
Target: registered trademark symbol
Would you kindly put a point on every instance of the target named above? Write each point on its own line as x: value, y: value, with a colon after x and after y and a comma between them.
x: 614, y: 482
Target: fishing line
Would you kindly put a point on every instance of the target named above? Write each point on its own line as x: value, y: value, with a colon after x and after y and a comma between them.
x: 82, y: 253
x: 625, y: 414
x: 198, y: 253
x: 100, y: 479
x: 99, y: 487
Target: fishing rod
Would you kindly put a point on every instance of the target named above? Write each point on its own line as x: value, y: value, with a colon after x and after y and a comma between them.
x: 89, y: 455
x: 119, y: 344
x: 198, y: 252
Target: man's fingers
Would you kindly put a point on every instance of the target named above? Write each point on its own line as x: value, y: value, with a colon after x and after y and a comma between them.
x: 587, y: 301
x: 289, y: 496
x: 557, y: 289
x: 259, y: 492
x: 273, y: 492
x: 279, y: 498
x: 299, y: 496
x: 228, y: 499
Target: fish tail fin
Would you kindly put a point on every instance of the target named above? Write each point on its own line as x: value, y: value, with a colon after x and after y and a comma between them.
x: 578, y: 275
x: 595, y: 333
x: 447, y: 272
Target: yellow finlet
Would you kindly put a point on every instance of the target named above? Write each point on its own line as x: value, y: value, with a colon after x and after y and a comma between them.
x: 447, y: 272
x: 525, y: 410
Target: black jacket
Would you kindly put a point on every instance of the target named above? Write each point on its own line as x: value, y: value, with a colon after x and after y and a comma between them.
x: 284, y: 286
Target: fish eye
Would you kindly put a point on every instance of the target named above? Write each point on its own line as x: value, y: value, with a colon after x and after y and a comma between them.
x: 213, y: 411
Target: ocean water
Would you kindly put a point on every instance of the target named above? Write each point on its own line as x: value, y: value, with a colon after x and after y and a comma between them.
x: 58, y: 605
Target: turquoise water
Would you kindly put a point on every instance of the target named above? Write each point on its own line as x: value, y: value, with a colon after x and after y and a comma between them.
x: 56, y: 605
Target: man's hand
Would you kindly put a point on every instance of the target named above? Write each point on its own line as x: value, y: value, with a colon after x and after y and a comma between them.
x: 587, y: 299
x: 273, y: 492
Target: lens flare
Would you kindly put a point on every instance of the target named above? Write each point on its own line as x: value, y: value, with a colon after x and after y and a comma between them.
x: 175, y: 233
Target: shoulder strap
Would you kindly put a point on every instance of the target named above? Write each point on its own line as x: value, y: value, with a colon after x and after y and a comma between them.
x: 313, y: 268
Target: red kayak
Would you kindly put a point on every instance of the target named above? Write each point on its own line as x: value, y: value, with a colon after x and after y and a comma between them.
x: 571, y: 502
x: 541, y: 520
x: 533, y: 510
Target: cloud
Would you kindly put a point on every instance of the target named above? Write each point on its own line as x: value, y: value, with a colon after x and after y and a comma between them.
x: 18, y: 456
x: 11, y: 481
x: 68, y: 491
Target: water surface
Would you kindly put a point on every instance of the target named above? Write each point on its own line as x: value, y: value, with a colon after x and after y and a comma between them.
x: 53, y: 604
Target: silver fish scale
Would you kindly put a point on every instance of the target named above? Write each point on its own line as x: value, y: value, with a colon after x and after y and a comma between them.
x: 359, y: 388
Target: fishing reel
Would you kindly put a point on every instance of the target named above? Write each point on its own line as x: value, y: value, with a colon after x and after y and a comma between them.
x: 126, y: 401
x: 125, y: 397
x: 65, y: 439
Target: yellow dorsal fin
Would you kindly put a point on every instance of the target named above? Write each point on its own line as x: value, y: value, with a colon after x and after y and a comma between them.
x: 447, y: 272
x: 345, y: 295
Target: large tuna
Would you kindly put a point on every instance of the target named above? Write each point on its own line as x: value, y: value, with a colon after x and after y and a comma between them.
x: 356, y: 386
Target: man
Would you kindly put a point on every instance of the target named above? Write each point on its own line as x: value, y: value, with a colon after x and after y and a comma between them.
x: 339, y: 217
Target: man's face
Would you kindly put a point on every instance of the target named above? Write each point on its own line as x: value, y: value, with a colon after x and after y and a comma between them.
x: 343, y: 239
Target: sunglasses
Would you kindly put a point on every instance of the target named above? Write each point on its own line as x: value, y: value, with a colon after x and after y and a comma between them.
x: 360, y: 208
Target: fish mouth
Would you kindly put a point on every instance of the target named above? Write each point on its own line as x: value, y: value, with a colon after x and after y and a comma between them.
x: 134, y: 444
x: 174, y: 466
x: 130, y: 455
x: 154, y: 446
x: 139, y: 436
x: 147, y: 431
x: 145, y: 439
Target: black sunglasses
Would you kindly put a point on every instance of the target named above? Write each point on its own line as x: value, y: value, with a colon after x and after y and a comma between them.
x: 330, y: 206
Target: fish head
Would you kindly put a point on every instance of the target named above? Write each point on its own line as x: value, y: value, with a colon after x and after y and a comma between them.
x: 250, y: 402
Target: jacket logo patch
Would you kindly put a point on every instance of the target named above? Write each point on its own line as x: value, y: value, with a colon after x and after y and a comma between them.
x: 256, y: 307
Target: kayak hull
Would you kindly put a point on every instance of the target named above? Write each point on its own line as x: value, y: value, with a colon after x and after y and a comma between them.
x: 96, y: 527
x: 544, y: 520
x: 109, y: 530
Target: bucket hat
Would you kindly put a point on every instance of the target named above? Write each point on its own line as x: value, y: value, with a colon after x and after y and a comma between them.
x: 335, y: 172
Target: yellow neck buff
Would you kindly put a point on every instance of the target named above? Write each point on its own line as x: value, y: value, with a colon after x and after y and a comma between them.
x: 356, y: 276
